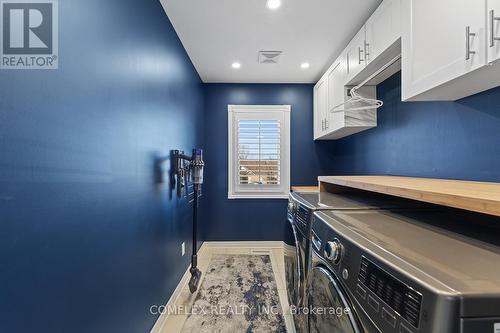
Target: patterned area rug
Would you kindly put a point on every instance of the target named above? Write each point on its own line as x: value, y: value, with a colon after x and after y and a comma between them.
x: 237, y: 294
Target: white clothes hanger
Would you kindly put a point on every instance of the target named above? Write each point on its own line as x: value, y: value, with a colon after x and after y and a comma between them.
x: 358, y: 102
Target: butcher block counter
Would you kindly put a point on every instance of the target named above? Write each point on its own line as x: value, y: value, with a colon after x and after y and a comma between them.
x: 481, y: 197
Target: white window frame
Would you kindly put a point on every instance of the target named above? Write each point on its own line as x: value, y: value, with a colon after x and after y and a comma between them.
x: 237, y: 191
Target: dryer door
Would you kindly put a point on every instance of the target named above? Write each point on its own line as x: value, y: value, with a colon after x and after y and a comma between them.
x: 328, y: 305
x: 292, y: 268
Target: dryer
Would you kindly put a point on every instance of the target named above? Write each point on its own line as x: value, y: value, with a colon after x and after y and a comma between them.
x: 404, y: 271
x: 301, y: 207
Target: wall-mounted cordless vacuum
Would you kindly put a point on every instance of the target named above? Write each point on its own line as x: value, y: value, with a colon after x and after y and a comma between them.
x: 190, y: 168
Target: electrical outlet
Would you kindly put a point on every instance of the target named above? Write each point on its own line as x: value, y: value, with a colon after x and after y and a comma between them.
x: 183, y: 248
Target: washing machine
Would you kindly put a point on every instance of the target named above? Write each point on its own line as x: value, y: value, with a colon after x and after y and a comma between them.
x: 403, y: 271
x: 297, y: 252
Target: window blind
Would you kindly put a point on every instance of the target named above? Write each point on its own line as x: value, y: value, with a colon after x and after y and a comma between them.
x: 259, y: 147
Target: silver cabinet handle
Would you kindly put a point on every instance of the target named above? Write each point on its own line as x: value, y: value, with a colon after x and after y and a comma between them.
x: 468, y: 36
x: 367, y: 51
x: 323, y: 125
x: 360, y: 50
x: 327, y: 124
x: 493, y: 38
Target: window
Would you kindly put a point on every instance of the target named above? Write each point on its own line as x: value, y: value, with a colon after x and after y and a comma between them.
x: 259, y: 151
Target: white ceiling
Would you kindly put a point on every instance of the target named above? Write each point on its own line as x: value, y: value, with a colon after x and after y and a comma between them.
x: 217, y: 33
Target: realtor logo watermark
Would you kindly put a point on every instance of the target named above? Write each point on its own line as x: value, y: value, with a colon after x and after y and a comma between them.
x: 29, y: 34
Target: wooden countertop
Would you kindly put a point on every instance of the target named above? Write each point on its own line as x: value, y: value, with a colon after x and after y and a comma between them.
x: 479, y: 197
x: 305, y: 188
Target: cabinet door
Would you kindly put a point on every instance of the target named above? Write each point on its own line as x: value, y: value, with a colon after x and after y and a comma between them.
x: 336, y: 81
x: 383, y: 28
x: 320, y: 105
x: 355, y: 54
x: 435, y: 42
x: 493, y: 30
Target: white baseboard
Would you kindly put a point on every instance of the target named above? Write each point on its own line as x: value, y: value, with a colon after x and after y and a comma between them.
x: 246, y: 244
x: 160, y: 322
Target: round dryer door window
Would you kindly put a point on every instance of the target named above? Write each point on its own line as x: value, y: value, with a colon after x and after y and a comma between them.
x: 329, y: 308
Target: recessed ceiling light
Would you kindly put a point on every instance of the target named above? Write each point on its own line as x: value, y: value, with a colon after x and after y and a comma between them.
x: 273, y: 4
x: 236, y: 65
x: 304, y: 65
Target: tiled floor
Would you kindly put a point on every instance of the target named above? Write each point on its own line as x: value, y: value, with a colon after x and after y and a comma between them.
x: 175, y: 322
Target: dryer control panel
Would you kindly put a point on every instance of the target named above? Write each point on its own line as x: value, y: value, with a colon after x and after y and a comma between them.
x: 401, y: 298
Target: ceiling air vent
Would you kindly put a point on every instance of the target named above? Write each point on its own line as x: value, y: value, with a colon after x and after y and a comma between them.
x: 269, y: 57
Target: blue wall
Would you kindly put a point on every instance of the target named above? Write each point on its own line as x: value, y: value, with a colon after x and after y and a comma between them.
x: 262, y: 219
x: 89, y: 236
x: 456, y: 140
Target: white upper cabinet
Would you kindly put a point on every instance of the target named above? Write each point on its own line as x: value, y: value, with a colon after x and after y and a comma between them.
x: 334, y: 123
x: 336, y: 80
x: 376, y: 43
x: 442, y: 41
x: 355, y: 56
x: 383, y: 29
x: 446, y: 50
x: 493, y: 30
x: 320, y: 107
